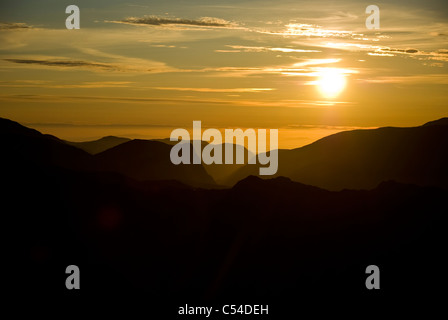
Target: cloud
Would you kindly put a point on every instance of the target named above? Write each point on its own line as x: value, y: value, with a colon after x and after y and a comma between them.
x: 109, y: 63
x: 404, y: 51
x: 306, y: 68
x: 414, y: 79
x: 380, y: 54
x: 263, y: 49
x: 13, y: 26
x: 125, y: 64
x: 309, y: 62
x: 212, y: 90
x: 98, y: 125
x: 52, y: 85
x: 326, y: 127
x: 148, y: 101
x: 438, y: 34
x: 316, y: 31
x: 207, y: 22
x: 384, y: 51
x: 163, y: 46
x: 65, y: 63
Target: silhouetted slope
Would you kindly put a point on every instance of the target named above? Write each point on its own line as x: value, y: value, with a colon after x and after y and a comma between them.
x: 139, y: 159
x: 265, y: 239
x: 221, y: 172
x: 150, y: 160
x: 439, y: 122
x: 361, y: 159
x: 268, y: 240
x: 30, y: 147
x: 100, y: 145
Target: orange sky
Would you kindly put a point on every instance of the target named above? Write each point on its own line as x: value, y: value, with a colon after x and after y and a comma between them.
x: 307, y: 68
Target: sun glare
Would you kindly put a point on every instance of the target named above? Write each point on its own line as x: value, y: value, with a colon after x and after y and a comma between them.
x: 331, y: 82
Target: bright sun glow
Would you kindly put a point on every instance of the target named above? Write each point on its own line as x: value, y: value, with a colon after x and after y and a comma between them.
x: 331, y: 82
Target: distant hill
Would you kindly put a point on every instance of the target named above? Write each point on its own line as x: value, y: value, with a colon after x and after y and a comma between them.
x: 138, y: 159
x: 361, y: 159
x: 220, y: 172
x: 100, y: 145
x: 440, y: 122
x: 29, y: 147
x: 150, y: 160
x: 273, y: 240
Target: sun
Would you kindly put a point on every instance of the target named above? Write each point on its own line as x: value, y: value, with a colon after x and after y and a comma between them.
x: 331, y: 82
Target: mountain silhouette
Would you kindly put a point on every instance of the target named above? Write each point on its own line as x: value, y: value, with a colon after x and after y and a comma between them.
x: 439, y: 122
x: 100, y: 145
x: 273, y: 240
x: 30, y: 147
x: 150, y: 160
x: 361, y: 159
x: 138, y: 159
x: 219, y: 172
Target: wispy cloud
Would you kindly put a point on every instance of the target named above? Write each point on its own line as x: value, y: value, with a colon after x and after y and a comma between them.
x: 100, y: 62
x: 265, y: 49
x: 207, y: 22
x: 163, y: 46
x: 53, y: 85
x: 148, y: 101
x: 13, y: 26
x: 316, y: 31
x: 413, y: 79
x: 310, y: 62
x: 385, y: 51
x: 326, y: 127
x: 65, y: 63
x: 305, y: 68
x: 214, y: 90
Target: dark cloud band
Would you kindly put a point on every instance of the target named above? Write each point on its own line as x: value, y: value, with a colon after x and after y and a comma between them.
x: 63, y: 63
x: 13, y: 26
x: 160, y: 21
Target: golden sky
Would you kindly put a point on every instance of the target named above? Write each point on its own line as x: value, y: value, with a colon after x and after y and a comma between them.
x: 142, y: 68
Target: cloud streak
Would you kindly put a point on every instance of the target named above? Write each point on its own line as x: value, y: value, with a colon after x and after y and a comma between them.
x: 13, y: 26
x: 111, y: 63
x: 236, y: 103
x: 207, y: 22
x: 51, y: 85
x: 414, y: 79
x: 65, y: 63
x: 265, y: 49
x: 213, y: 90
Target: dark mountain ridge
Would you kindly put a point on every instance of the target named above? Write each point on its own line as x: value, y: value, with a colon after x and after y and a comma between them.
x: 150, y: 160
x: 266, y: 239
x: 361, y: 159
x: 100, y: 145
x: 138, y: 159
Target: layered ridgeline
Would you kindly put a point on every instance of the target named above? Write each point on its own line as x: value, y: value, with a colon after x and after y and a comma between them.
x: 219, y: 172
x: 359, y: 159
x: 137, y: 159
x: 275, y: 239
x: 362, y: 159
x: 100, y: 145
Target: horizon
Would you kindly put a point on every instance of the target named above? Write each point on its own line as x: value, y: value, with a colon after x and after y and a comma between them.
x: 160, y: 139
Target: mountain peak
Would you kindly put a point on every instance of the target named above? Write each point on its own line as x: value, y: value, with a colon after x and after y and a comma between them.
x: 11, y: 127
x: 440, y: 122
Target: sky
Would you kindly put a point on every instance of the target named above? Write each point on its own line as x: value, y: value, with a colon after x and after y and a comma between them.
x: 140, y: 69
